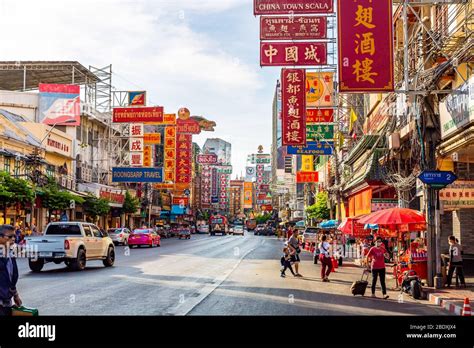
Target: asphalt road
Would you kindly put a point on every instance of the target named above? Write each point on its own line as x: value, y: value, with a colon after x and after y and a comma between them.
x: 220, y: 275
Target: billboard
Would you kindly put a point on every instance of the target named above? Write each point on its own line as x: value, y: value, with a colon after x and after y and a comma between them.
x: 319, y: 132
x: 325, y: 148
x: 137, y: 175
x: 138, y: 115
x: 293, y: 28
x: 293, y: 53
x: 184, y: 144
x: 248, y: 195
x: 365, y: 46
x: 59, y: 104
x: 137, y: 98
x: 307, y: 177
x: 294, y: 106
x: 289, y: 7
x: 307, y: 163
x: 250, y: 173
x: 319, y: 89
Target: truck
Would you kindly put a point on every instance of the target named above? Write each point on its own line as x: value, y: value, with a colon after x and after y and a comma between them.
x: 218, y: 224
x: 73, y: 243
x: 251, y: 224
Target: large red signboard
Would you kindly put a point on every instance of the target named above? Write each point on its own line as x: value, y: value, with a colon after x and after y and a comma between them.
x: 138, y: 115
x: 293, y: 53
x: 319, y: 115
x: 365, y: 46
x: 293, y: 107
x: 266, y: 7
x: 188, y: 126
x: 307, y: 177
x: 293, y: 28
x: 184, y: 143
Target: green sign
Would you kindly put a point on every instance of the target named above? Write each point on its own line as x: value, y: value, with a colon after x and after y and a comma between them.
x: 319, y: 132
x: 263, y: 160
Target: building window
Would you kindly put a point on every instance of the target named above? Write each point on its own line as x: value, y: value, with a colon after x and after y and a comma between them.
x: 50, y: 170
x: 17, y: 168
x: 6, y: 165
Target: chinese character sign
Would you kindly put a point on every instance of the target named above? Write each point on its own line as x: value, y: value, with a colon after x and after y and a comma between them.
x: 206, y: 186
x: 184, y: 145
x: 292, y: 53
x: 294, y: 107
x: 293, y: 28
x: 365, y: 46
x: 170, y: 153
x: 307, y: 177
x: 319, y: 89
x: 319, y: 116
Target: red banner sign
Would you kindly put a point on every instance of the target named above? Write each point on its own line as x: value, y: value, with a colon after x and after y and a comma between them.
x: 293, y: 28
x: 207, y: 159
x: 188, y: 127
x: 182, y: 201
x: 138, y: 115
x: 267, y: 207
x: 266, y: 7
x: 293, y: 53
x: 307, y: 177
x: 319, y: 115
x: 184, y: 143
x: 294, y: 107
x: 365, y: 46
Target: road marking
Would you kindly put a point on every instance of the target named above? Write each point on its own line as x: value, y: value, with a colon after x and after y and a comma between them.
x: 190, y: 303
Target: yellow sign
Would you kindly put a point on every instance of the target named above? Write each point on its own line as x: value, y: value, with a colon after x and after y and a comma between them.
x: 307, y: 163
x: 152, y: 138
x: 169, y: 119
x: 248, y: 195
x: 147, y: 156
x: 319, y: 89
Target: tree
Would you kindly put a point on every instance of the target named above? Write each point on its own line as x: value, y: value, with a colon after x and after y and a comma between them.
x: 53, y: 198
x: 263, y: 218
x: 95, y: 207
x: 319, y: 210
x: 130, y: 205
x: 14, y: 191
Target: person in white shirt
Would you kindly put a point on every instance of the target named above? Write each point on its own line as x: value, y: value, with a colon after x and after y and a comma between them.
x: 325, y: 258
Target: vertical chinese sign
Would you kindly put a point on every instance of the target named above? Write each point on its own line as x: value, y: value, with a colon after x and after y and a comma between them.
x: 365, y: 46
x: 294, y: 107
x: 223, y: 190
x: 206, y: 187
x: 170, y: 153
x: 136, y: 145
x: 184, y: 145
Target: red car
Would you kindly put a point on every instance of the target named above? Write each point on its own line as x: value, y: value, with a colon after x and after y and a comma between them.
x: 145, y: 236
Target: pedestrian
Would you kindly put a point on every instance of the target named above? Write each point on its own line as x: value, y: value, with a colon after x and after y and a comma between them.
x: 295, y: 250
x: 8, y: 272
x: 377, y: 255
x: 286, y: 262
x: 325, y: 258
x: 455, y: 262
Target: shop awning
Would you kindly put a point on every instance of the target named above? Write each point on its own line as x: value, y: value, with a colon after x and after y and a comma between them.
x: 329, y: 224
x: 177, y: 210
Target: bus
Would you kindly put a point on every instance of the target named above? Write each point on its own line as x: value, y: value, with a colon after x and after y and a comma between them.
x: 218, y: 224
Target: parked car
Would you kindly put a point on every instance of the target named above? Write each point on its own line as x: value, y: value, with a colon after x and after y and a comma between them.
x: 237, y: 230
x: 119, y: 235
x: 162, y: 231
x: 73, y: 243
x: 203, y: 229
x: 145, y: 236
x: 310, y: 235
x: 260, y: 230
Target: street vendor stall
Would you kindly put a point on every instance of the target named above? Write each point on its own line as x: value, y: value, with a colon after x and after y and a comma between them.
x: 408, y: 227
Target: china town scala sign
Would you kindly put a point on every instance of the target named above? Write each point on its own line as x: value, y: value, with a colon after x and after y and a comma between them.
x: 269, y: 7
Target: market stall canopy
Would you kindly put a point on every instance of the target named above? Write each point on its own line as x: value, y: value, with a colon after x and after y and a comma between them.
x: 351, y: 226
x: 328, y: 224
x: 300, y: 224
x: 396, y: 219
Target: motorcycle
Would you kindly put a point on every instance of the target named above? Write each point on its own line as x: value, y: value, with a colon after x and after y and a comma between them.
x: 411, y: 284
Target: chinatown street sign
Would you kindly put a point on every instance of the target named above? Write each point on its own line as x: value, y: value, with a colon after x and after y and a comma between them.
x: 437, y: 179
x: 293, y: 116
x: 293, y: 53
x: 138, y: 115
x: 365, y: 46
x: 289, y: 7
x: 293, y: 28
x: 312, y: 148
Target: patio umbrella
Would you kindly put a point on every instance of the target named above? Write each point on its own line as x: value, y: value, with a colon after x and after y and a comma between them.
x: 351, y: 225
x: 397, y: 219
x: 328, y: 224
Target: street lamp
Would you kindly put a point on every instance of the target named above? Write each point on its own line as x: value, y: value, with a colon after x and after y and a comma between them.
x: 54, y: 125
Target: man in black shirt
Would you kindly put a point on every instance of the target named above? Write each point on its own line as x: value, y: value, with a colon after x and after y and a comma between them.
x: 8, y: 272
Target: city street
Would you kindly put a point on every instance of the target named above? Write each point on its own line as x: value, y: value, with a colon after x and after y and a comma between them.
x: 204, y: 276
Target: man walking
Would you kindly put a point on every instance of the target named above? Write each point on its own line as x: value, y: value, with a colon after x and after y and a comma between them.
x: 294, y: 245
x: 455, y: 262
x: 8, y: 272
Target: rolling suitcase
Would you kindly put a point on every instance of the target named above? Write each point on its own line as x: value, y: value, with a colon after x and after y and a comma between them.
x: 359, y: 286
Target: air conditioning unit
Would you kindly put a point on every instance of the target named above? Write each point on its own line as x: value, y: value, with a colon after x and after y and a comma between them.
x: 394, y: 141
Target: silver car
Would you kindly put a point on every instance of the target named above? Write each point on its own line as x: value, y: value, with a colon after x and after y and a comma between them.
x: 119, y: 235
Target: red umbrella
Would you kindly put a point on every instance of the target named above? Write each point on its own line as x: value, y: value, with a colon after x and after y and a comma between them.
x: 396, y: 219
x: 351, y: 226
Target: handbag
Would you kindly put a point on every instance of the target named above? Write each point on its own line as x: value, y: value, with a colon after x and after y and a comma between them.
x: 24, y: 312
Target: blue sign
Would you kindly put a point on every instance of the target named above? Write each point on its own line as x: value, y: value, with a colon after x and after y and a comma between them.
x: 64, y: 217
x: 437, y: 178
x: 215, y: 200
x: 137, y: 175
x: 312, y: 148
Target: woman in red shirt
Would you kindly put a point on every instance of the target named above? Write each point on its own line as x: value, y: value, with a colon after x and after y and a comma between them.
x: 377, y: 255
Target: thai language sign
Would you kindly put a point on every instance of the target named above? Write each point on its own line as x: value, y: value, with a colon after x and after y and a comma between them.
x: 293, y: 53
x: 59, y: 104
x: 207, y: 159
x: 294, y: 106
x: 138, y: 115
x: 312, y: 148
x: 266, y: 7
x: 137, y: 175
x: 293, y: 28
x: 365, y: 46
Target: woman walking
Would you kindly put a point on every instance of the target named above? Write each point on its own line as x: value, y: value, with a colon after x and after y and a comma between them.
x: 377, y: 255
x: 325, y: 258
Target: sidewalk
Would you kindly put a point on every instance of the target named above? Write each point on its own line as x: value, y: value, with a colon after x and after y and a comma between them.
x: 452, y: 299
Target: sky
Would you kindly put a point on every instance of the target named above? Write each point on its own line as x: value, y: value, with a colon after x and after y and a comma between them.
x: 199, y: 54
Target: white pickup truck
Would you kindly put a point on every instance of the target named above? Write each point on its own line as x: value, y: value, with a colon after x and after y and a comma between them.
x: 71, y: 242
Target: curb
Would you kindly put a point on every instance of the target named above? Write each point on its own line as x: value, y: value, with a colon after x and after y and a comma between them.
x: 450, y: 306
